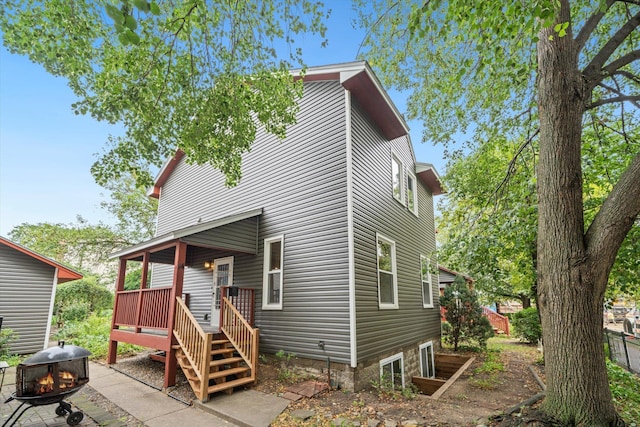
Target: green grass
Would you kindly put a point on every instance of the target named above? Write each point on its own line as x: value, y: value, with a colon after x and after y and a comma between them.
x: 625, y: 389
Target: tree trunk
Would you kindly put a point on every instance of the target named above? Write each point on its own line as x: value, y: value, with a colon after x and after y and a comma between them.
x: 526, y: 301
x: 570, y: 285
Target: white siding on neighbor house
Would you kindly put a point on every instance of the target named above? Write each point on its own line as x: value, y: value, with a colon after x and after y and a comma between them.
x: 380, y: 331
x: 26, y: 286
x: 301, y: 185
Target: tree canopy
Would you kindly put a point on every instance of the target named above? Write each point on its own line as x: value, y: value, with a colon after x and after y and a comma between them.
x: 195, y: 75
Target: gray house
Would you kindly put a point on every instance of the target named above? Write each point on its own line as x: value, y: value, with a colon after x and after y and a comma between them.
x: 325, y: 245
x: 27, y: 289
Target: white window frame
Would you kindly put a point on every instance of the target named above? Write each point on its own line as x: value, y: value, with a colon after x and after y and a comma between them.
x: 429, y: 281
x: 266, y: 272
x: 394, y: 273
x: 390, y: 360
x: 422, y: 348
x: 396, y: 159
x: 414, y: 196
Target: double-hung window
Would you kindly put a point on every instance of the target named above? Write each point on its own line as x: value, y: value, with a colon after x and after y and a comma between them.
x: 387, y: 279
x: 391, y: 371
x: 397, y: 178
x: 412, y: 194
x: 427, y: 286
x: 273, y: 267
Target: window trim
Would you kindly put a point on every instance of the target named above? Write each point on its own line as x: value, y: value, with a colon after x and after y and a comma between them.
x: 394, y: 272
x: 421, y: 347
x: 390, y: 360
x: 412, y: 176
x: 430, y: 281
x: 265, y: 278
x: 402, y: 199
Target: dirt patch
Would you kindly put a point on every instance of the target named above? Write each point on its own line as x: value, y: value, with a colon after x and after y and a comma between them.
x: 478, y: 394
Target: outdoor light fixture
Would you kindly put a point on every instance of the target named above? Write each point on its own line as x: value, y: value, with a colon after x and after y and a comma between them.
x: 208, y: 264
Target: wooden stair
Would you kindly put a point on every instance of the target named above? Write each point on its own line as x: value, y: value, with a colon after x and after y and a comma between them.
x: 226, y: 369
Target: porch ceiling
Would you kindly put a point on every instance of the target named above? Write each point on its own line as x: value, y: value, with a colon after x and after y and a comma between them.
x: 203, y: 235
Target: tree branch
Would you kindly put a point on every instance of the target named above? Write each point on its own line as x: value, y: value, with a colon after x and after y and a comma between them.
x: 615, y: 218
x: 590, y: 25
x: 628, y: 75
x: 634, y: 99
x: 593, y: 72
x: 621, y: 62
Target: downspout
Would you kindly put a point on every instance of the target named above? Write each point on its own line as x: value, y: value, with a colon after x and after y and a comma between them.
x: 350, y: 238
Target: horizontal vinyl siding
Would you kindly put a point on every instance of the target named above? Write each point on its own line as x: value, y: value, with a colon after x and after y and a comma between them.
x: 25, y: 297
x: 301, y: 185
x: 376, y: 211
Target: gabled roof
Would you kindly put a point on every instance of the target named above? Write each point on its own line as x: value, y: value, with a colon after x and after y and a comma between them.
x: 358, y: 78
x: 429, y: 177
x: 65, y: 274
x: 468, y: 279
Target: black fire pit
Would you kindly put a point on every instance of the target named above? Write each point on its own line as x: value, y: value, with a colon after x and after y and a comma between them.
x: 49, y: 377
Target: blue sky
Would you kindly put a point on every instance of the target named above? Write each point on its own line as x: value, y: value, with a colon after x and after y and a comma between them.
x: 46, y: 150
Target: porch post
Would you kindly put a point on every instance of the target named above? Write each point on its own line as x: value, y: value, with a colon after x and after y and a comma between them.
x: 176, y: 291
x: 143, y: 285
x: 113, y: 345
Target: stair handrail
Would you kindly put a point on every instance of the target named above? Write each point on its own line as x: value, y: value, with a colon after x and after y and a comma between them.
x: 496, y: 319
x: 240, y: 333
x: 194, y: 341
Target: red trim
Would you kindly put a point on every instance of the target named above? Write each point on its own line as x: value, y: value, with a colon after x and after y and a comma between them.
x: 64, y: 274
x: 430, y: 179
x: 165, y: 172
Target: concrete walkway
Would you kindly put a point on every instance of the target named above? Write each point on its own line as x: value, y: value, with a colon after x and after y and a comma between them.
x: 151, y: 407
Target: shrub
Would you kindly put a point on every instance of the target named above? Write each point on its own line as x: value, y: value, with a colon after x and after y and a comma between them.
x: 6, y: 336
x: 84, y: 291
x: 93, y: 334
x: 74, y: 313
x: 526, y: 325
x: 465, y: 322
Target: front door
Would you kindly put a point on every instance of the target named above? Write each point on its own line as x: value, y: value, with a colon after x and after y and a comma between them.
x: 222, y: 276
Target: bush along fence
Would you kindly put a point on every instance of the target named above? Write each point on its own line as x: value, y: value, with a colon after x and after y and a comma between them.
x: 624, y: 350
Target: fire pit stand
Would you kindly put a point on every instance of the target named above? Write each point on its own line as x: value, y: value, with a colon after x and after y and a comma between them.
x: 49, y: 377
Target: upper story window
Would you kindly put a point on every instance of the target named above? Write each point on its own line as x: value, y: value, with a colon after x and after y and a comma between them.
x: 387, y: 280
x: 273, y: 269
x: 427, y: 286
x: 412, y: 193
x: 397, y: 178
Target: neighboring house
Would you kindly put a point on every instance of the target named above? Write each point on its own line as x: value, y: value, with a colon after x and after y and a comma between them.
x: 446, y: 277
x: 331, y: 230
x: 27, y: 290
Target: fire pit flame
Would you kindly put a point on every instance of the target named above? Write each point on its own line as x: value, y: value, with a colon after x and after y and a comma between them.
x: 46, y: 384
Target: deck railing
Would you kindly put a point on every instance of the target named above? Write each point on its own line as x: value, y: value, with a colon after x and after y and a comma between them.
x: 195, y: 343
x: 243, y: 299
x: 240, y: 333
x: 497, y: 320
x: 143, y: 308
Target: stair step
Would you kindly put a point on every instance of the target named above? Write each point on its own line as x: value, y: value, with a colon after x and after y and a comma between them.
x: 228, y: 360
x: 227, y: 372
x: 222, y: 351
x: 220, y: 342
x: 229, y: 384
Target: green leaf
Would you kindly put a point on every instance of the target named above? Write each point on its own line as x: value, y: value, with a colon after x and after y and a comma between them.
x: 115, y: 14
x: 155, y: 9
x: 130, y: 22
x: 142, y: 5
